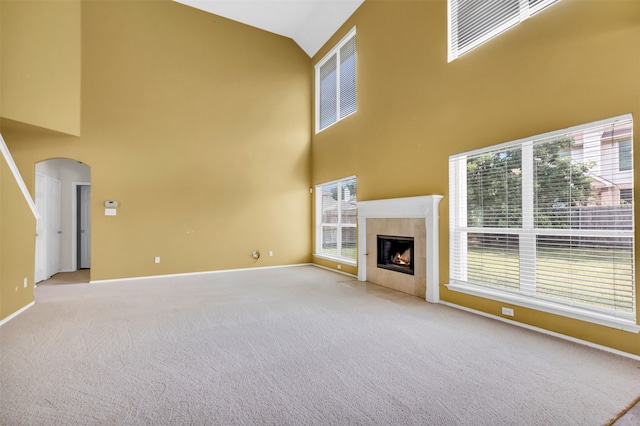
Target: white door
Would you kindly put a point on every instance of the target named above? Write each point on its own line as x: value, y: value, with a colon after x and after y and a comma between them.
x: 85, y: 226
x: 41, y: 255
x: 52, y: 226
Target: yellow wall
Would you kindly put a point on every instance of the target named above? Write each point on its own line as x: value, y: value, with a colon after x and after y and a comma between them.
x: 17, y: 223
x: 40, y: 63
x: 199, y: 127
x: 576, y: 62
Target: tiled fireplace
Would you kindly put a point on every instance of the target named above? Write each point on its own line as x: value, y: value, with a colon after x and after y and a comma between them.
x: 400, y: 241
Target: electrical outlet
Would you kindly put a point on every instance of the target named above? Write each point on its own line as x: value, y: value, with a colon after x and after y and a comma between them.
x: 270, y: 252
x: 157, y: 259
x: 25, y: 282
x: 507, y: 311
x: 339, y: 266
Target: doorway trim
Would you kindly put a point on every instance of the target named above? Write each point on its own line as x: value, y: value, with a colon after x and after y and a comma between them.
x: 74, y: 223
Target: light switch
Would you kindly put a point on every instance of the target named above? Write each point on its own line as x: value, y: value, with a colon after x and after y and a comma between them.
x: 110, y: 212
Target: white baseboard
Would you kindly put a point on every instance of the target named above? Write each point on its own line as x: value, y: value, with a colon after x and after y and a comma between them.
x: 187, y: 274
x: 16, y: 313
x: 542, y: 330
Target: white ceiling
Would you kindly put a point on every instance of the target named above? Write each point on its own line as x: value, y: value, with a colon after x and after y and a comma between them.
x: 310, y: 23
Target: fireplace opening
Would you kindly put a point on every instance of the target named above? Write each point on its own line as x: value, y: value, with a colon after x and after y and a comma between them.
x: 395, y: 253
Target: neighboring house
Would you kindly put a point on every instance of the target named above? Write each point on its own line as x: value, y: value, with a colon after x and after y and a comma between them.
x: 609, y: 155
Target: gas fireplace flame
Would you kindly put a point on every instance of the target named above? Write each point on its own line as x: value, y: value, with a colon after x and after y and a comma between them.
x: 402, y: 259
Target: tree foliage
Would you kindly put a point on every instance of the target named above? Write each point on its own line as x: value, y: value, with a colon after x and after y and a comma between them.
x: 347, y: 185
x: 494, y: 186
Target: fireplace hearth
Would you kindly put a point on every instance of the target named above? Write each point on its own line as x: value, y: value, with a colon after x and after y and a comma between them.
x: 396, y: 253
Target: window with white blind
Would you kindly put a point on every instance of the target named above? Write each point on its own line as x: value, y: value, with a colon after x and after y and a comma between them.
x: 336, y: 213
x: 547, y: 223
x: 472, y: 22
x: 336, y: 83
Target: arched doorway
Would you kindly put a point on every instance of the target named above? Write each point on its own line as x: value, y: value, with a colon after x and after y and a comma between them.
x: 63, y: 232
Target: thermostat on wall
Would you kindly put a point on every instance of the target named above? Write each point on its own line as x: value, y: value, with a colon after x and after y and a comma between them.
x: 111, y: 204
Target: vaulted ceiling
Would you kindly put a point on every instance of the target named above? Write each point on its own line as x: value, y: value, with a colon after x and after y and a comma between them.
x: 310, y: 23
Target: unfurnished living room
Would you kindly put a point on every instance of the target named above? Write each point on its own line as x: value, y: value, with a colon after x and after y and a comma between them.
x: 311, y: 212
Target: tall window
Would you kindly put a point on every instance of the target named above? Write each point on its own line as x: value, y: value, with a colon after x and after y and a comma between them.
x: 472, y: 22
x: 543, y: 223
x: 336, y: 83
x: 336, y: 213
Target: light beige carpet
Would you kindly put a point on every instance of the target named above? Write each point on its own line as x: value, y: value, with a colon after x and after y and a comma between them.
x: 290, y: 346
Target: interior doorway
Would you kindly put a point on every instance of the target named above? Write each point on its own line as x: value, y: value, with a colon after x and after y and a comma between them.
x: 48, y: 230
x: 63, y: 232
x: 83, y: 226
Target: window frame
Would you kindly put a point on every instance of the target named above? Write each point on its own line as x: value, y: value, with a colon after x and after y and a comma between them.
x: 525, y: 12
x: 334, y: 52
x: 320, y: 225
x: 524, y: 297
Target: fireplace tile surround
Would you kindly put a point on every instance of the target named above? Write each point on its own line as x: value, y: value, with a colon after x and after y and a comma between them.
x: 412, y: 284
x: 415, y: 217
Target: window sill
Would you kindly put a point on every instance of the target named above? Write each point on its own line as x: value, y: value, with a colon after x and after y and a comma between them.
x: 344, y: 260
x: 549, y: 307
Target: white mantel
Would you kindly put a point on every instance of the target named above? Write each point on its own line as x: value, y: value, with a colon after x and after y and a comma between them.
x: 411, y: 207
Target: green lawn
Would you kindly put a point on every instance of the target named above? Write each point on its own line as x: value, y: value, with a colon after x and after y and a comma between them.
x: 349, y: 252
x: 595, y: 277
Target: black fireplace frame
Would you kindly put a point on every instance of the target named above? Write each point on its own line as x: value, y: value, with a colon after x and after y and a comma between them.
x: 401, y: 241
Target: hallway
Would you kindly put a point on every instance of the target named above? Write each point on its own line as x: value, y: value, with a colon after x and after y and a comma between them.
x: 80, y: 276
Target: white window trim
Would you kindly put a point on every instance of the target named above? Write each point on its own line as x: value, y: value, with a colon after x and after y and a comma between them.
x: 452, y: 28
x: 332, y: 52
x: 457, y: 179
x: 317, y: 252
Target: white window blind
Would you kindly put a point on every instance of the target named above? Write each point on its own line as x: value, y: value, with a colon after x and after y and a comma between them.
x: 548, y: 219
x: 328, y: 99
x: 336, y: 213
x: 472, y: 22
x: 336, y: 83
